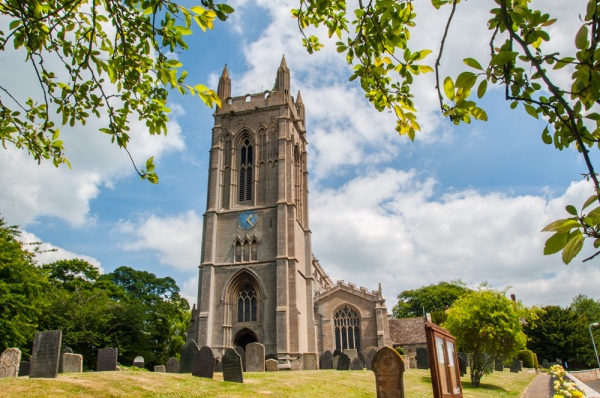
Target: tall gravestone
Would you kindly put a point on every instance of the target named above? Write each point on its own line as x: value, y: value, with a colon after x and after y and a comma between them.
x: 204, y: 363
x: 107, y: 359
x: 242, y: 353
x: 343, y: 362
x: 172, y: 365
x: 24, y: 368
x: 310, y: 361
x: 422, y: 358
x: 10, y: 361
x: 499, y: 365
x: 45, y: 354
x: 255, y: 357
x: 72, y: 363
x: 139, y: 362
x: 516, y: 366
x: 271, y: 365
x: 356, y: 364
x: 188, y: 354
x: 66, y: 350
x: 388, y: 367
x: 369, y: 358
x: 326, y: 361
x: 232, y: 366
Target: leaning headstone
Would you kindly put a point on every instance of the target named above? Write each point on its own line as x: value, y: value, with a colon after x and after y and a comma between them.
x: 462, y: 366
x: 356, y: 364
x: 343, y: 362
x: 271, y: 365
x: 242, y: 353
x: 310, y: 361
x: 107, y: 359
x: 160, y: 368
x: 204, y: 363
x: 45, y: 354
x: 545, y: 364
x: 232, y: 366
x: 388, y: 367
x: 422, y: 358
x: 516, y: 365
x: 326, y: 360
x: 139, y: 362
x: 72, y: 363
x: 499, y: 365
x: 66, y: 350
x: 352, y: 353
x: 255, y: 357
x: 188, y: 353
x: 370, y: 355
x: 334, y: 362
x: 24, y: 368
x: 172, y: 365
x: 10, y: 361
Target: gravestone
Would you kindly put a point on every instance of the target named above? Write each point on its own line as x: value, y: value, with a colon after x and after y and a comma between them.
x: 66, y: 350
x: 188, y: 353
x: 326, y: 360
x: 255, y: 357
x: 388, y: 367
x: 356, y: 364
x: 160, y: 368
x: 516, y: 365
x: 72, y: 363
x: 242, y: 353
x: 107, y: 359
x: 139, y: 362
x: 232, y: 366
x: 462, y: 366
x: 172, y: 365
x: 271, y: 365
x: 352, y: 353
x: 45, y: 354
x: 334, y: 362
x: 545, y: 364
x: 370, y: 355
x: 422, y: 358
x: 10, y: 361
x: 24, y: 368
x: 310, y: 361
x: 204, y: 363
x: 337, y: 353
x: 499, y: 365
x: 343, y: 362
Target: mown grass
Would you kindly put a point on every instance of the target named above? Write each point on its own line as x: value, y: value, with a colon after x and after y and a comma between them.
x: 323, y: 383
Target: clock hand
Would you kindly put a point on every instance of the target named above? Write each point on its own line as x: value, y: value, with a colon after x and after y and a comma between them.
x: 248, y: 220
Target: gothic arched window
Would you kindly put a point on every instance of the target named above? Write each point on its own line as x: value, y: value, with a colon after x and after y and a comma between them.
x: 247, y: 304
x: 246, y: 177
x: 347, y: 329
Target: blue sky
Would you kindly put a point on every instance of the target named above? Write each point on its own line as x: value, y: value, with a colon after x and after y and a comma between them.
x: 466, y: 202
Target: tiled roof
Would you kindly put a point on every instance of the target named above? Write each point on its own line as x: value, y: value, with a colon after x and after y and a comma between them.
x: 407, y: 331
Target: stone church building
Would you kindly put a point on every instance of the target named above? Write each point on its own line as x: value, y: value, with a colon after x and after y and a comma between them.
x: 259, y: 280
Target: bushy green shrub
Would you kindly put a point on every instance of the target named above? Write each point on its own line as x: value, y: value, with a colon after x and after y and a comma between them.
x: 535, y: 361
x: 400, y: 350
x: 527, y: 357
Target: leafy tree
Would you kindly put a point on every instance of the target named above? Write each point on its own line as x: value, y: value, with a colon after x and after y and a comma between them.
x: 375, y: 41
x: 75, y: 48
x: 434, y: 299
x: 22, y: 287
x: 486, y: 324
x: 560, y: 333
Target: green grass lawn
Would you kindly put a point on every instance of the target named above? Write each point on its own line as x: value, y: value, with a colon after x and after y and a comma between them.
x: 319, y: 383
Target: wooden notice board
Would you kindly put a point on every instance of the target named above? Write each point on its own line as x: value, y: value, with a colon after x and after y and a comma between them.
x: 443, y: 362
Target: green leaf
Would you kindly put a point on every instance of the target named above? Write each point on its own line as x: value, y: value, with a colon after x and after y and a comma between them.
x: 531, y: 110
x: 449, y: 88
x: 503, y: 57
x: 581, y: 39
x: 482, y: 88
x: 472, y: 63
x: 556, y: 243
x: 561, y: 225
x: 571, y: 210
x: 546, y: 137
x: 589, y: 201
x: 573, y: 247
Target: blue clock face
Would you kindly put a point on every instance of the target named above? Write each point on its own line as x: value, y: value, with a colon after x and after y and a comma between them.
x: 247, y: 220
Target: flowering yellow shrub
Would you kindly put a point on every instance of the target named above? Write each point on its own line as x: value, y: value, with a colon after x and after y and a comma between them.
x: 563, y: 387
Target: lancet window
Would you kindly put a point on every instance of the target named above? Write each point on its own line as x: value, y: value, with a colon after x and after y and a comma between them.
x: 246, y: 175
x: 347, y: 329
x: 247, y: 304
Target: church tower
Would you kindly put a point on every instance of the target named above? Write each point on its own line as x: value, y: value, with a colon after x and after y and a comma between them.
x: 256, y: 280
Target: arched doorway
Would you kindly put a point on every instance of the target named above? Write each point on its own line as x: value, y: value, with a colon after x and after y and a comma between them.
x: 244, y: 337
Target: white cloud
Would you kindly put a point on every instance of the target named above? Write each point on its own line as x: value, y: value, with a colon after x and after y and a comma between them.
x: 388, y: 226
x: 173, y: 240
x: 189, y: 290
x: 48, y: 253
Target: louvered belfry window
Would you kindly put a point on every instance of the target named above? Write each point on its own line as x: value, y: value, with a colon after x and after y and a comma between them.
x: 246, y: 161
